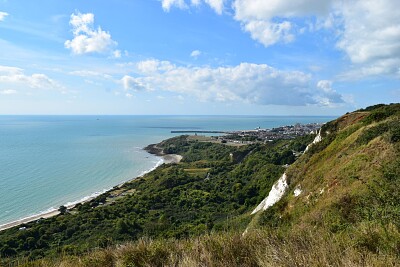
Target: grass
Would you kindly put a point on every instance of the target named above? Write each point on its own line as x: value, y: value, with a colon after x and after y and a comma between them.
x: 256, y: 248
x: 197, y: 171
x: 341, y: 169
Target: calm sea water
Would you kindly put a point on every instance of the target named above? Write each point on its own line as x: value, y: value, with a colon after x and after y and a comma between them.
x: 48, y: 161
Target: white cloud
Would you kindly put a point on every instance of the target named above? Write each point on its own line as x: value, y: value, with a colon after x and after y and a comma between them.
x: 16, y: 76
x: 216, y: 5
x: 271, y: 23
x: 367, y: 31
x: 195, y: 2
x: 152, y: 66
x: 269, y: 33
x: 41, y: 81
x: 8, y: 92
x: 167, y: 4
x: 148, y: 66
x: 251, y: 83
x: 89, y: 73
x: 325, y: 85
x: 3, y: 15
x: 6, y: 70
x: 87, y: 39
x: 117, y: 54
x: 195, y: 53
x: 371, y: 36
x: 327, y: 96
x: 259, y: 10
x: 130, y: 83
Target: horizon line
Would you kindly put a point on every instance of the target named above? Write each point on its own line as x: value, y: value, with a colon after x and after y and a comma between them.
x: 258, y: 115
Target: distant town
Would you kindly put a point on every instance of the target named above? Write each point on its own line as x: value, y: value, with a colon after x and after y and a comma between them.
x: 259, y: 134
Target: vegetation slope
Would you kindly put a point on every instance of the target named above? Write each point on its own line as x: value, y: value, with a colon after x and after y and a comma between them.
x: 349, y: 184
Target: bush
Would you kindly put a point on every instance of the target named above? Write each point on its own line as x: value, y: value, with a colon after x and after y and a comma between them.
x: 371, y: 133
x: 379, y: 113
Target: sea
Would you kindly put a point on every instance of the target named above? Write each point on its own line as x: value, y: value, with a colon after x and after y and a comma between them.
x: 49, y: 161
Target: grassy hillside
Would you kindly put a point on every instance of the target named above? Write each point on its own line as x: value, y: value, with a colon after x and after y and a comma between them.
x: 194, y: 213
x: 349, y: 182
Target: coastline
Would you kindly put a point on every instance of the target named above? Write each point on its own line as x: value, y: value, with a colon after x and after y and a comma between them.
x: 158, y: 151
x: 29, y: 219
x: 164, y: 159
x: 51, y: 211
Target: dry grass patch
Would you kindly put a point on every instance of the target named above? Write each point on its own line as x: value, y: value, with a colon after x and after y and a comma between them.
x: 256, y: 248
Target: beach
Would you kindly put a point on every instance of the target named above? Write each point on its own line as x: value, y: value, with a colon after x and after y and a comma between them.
x: 166, y: 159
x: 29, y: 219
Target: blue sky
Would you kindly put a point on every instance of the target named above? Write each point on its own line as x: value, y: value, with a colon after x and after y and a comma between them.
x: 267, y: 57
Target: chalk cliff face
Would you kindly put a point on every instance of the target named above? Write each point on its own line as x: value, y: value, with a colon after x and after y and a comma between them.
x: 280, y: 187
x: 317, y: 139
x: 348, y: 177
x: 276, y: 193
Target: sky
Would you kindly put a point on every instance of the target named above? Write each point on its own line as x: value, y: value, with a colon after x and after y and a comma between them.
x: 200, y: 57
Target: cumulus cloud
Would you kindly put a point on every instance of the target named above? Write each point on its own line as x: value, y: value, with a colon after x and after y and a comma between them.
x: 250, y: 83
x: 371, y: 36
x: 15, y: 76
x: 87, y: 39
x: 195, y: 2
x: 3, y: 15
x: 327, y: 96
x: 269, y: 33
x: 216, y: 5
x: 152, y: 66
x: 130, y: 83
x: 367, y: 31
x: 167, y: 4
x: 259, y: 10
x: 195, y: 53
x: 272, y: 23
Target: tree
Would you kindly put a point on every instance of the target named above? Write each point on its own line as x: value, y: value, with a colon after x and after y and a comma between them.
x: 62, y: 209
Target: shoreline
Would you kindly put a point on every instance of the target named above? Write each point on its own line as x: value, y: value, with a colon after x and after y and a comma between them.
x: 51, y: 212
x: 44, y: 215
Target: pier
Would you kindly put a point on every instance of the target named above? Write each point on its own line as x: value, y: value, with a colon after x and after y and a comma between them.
x: 197, y: 131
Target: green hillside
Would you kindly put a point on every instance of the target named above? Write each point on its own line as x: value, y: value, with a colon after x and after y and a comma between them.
x: 349, y: 182
x: 346, y: 211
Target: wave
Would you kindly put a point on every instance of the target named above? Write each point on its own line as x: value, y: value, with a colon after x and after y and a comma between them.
x: 159, y: 163
x: 29, y: 218
x: 86, y: 198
